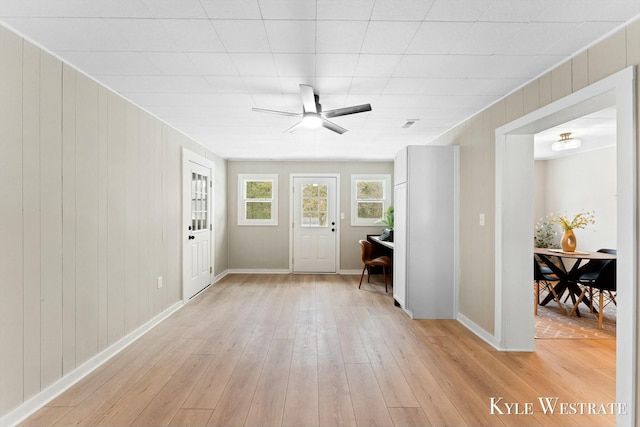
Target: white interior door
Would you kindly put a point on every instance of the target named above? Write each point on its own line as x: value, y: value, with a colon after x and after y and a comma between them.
x: 197, y: 228
x: 314, y: 224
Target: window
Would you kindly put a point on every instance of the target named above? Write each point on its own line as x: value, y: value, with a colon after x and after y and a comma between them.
x: 257, y: 199
x: 370, y: 197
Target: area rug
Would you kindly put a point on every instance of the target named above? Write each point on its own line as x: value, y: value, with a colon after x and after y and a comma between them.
x: 551, y: 323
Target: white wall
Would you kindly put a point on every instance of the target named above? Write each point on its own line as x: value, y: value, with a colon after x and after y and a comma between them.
x: 584, y: 181
x: 90, y: 207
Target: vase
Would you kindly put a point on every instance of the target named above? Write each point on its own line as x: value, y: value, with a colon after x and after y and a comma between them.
x: 568, y: 241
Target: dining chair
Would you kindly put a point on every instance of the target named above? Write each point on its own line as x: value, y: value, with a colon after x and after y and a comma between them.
x: 602, y: 280
x: 543, y: 274
x: 590, y: 271
x: 381, y: 261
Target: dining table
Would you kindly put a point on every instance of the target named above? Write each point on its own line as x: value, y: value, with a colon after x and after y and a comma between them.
x: 559, y: 262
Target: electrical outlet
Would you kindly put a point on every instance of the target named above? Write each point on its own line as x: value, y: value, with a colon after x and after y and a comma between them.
x: 159, y: 282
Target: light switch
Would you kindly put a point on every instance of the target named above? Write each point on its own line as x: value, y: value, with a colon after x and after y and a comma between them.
x: 482, y: 219
x: 341, y: 215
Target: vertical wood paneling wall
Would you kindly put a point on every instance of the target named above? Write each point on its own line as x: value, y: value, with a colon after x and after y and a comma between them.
x: 476, y: 138
x: 90, y: 216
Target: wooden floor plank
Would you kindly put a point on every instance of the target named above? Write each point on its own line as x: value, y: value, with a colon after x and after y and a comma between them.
x: 191, y: 418
x: 309, y: 350
x: 368, y: 403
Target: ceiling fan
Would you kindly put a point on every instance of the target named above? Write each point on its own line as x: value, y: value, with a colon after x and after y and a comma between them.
x: 312, y: 114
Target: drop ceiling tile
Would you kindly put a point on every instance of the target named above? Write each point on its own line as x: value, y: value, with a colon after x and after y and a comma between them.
x: 515, y: 11
x: 66, y: 8
x: 192, y: 35
x: 291, y: 36
x: 97, y: 35
x: 589, y: 10
x: 111, y: 63
x: 401, y: 10
x: 487, y: 38
x: 145, y: 34
x: 242, y: 35
x: 332, y: 85
x: 583, y: 35
x: 172, y: 64
x: 236, y: 9
x: 295, y: 64
x: 254, y: 64
x: 340, y: 36
x: 368, y: 85
x: 359, y: 10
x: 389, y: 37
x: 335, y: 64
x: 270, y: 101
x: 457, y: 10
x: 159, y: 84
x: 213, y: 64
x: 288, y: 9
x: 376, y: 65
x: 536, y: 37
x: 438, y: 37
x: 172, y: 8
x: 446, y: 66
x: 220, y: 84
x: 262, y: 84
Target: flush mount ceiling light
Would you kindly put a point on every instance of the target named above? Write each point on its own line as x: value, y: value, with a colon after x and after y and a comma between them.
x: 565, y: 142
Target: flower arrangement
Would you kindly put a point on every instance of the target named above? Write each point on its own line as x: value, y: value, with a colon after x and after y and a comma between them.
x: 580, y: 220
x: 545, y: 234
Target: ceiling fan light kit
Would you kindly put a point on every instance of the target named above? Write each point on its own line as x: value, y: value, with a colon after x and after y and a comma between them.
x: 312, y: 116
x: 566, y: 142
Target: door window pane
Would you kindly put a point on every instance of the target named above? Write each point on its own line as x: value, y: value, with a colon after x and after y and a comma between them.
x: 314, y: 205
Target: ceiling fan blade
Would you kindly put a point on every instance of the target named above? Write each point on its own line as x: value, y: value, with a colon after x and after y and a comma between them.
x: 332, y: 126
x: 294, y: 127
x: 282, y: 113
x: 308, y: 99
x: 346, y: 110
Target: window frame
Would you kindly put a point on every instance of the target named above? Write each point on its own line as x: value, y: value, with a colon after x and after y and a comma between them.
x: 243, y: 179
x: 386, y: 200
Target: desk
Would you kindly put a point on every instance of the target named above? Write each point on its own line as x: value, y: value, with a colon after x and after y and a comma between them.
x: 567, y: 279
x: 380, y: 248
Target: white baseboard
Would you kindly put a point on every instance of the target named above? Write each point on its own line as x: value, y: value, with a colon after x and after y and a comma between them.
x: 257, y: 271
x: 354, y: 272
x: 29, y: 407
x: 220, y: 276
x: 481, y: 333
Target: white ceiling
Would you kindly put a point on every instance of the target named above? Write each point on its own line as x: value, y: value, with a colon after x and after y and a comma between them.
x: 201, y: 65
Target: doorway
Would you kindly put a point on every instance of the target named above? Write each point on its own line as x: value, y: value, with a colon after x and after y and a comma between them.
x: 514, y: 207
x: 315, y: 224
x: 197, y: 231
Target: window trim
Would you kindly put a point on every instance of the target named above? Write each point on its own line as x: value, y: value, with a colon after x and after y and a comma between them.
x: 363, y: 222
x: 243, y: 178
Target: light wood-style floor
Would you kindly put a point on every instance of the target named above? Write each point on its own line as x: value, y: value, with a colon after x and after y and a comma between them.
x: 313, y: 350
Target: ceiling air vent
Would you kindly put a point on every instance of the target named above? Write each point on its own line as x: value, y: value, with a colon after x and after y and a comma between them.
x: 409, y: 123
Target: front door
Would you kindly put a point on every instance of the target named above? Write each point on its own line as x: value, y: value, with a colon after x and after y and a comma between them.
x: 197, y: 227
x: 314, y: 224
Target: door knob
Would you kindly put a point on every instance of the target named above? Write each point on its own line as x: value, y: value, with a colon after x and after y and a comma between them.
x: 333, y: 229
x: 192, y: 237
